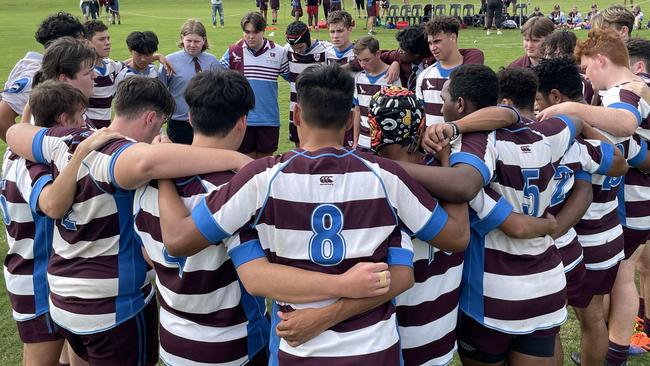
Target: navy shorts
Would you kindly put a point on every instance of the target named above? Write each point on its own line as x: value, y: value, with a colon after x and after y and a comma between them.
x: 483, y: 344
x: 133, y: 342
x: 263, y: 139
x: 39, y: 329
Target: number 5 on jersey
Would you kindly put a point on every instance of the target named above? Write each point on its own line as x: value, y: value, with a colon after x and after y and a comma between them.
x: 327, y: 245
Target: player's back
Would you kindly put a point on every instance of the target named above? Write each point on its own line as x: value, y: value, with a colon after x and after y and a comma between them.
x: 525, y: 276
x: 327, y: 210
x: 97, y: 274
x: 28, y: 238
x: 201, y: 291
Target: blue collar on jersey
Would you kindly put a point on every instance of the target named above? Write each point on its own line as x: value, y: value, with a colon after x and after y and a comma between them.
x: 373, y: 78
x: 339, y: 54
x: 445, y: 72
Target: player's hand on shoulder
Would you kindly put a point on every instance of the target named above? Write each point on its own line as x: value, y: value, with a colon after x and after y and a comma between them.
x: 436, y: 137
x: 98, y: 139
x: 638, y: 87
x: 161, y: 138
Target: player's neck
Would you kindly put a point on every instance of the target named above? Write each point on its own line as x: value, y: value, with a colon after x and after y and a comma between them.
x: 377, y: 69
x: 454, y: 59
x: 226, y: 143
x: 618, y: 75
x: 312, y: 139
x: 344, y: 47
x: 397, y: 152
x: 527, y: 113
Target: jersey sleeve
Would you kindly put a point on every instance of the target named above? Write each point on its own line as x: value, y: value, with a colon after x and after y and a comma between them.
x: 596, y: 157
x: 418, y: 86
x: 223, y: 212
x: 244, y: 246
x: 477, y: 150
x: 491, y: 210
x: 400, y: 249
x: 560, y: 132
x: 225, y: 60
x: 637, y: 150
x: 40, y: 176
x: 415, y: 208
x: 623, y: 99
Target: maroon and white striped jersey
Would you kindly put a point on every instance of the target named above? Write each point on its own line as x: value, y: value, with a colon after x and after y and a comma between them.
x: 99, y: 107
x: 29, y: 236
x: 516, y: 286
x: 298, y: 62
x: 365, y: 86
x: 343, y: 57
x: 351, y: 208
x: 206, y: 316
x: 428, y: 311
x: 97, y: 273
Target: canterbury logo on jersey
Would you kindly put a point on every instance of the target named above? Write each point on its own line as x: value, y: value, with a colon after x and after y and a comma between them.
x: 525, y: 148
x: 326, y: 180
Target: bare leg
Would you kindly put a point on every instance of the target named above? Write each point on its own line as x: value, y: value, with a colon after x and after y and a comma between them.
x: 42, y: 353
x: 593, y: 341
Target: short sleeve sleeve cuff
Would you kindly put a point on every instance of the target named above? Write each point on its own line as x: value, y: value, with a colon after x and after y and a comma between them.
x: 37, y: 146
x: 472, y: 160
x: 628, y: 107
x: 246, y: 252
x: 399, y: 257
x: 36, y: 191
x: 607, y: 151
x: 496, y: 217
x: 582, y: 175
x: 434, y: 225
x: 570, y: 125
x: 640, y: 157
x: 206, y: 224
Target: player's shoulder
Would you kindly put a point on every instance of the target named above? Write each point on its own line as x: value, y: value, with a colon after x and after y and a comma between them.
x: 21, y: 76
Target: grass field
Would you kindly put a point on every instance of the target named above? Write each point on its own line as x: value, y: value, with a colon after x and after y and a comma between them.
x: 19, y: 19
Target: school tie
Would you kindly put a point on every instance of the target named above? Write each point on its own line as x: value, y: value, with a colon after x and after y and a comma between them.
x: 413, y: 77
x: 197, y: 65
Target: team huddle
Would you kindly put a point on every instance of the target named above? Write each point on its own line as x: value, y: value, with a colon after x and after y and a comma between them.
x: 430, y: 207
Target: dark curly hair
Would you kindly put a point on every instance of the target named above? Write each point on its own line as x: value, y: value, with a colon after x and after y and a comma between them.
x: 56, y: 26
x: 144, y: 43
x: 519, y: 85
x: 464, y: 80
x: 561, y: 74
x: 442, y: 23
x: 412, y: 39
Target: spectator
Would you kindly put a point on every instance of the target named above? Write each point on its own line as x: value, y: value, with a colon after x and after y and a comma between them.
x: 638, y: 16
x: 494, y: 10
x: 190, y: 60
x: 217, y: 5
x: 536, y: 13
x: 534, y: 31
x: 574, y: 19
x: 557, y: 16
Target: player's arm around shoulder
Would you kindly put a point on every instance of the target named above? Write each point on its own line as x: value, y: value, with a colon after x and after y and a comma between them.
x: 140, y: 162
x: 21, y: 138
x: 180, y: 235
x: 7, y: 119
x: 445, y: 227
